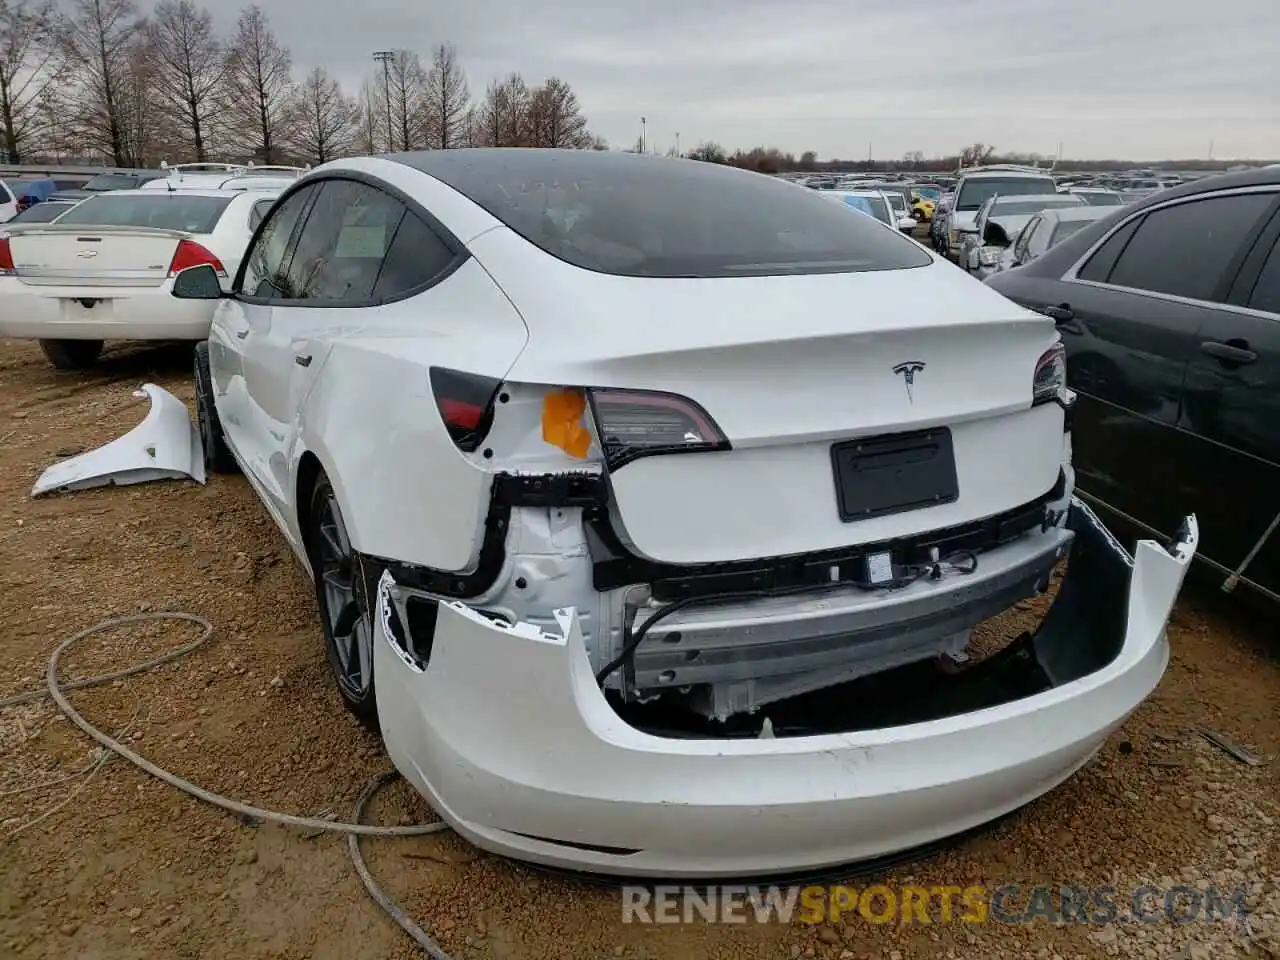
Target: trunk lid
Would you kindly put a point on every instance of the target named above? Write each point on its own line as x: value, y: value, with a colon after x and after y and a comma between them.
x: 787, y: 367
x: 99, y: 256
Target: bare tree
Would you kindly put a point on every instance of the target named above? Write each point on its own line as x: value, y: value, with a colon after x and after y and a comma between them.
x: 599, y: 143
x: 189, y: 71
x: 326, y: 119
x: 555, y: 118
x: 259, y: 86
x: 976, y: 154
x: 371, y: 109
x: 404, y: 82
x: 445, y: 101
x: 147, y: 135
x: 27, y: 68
x: 504, y: 116
x: 913, y: 158
x: 709, y: 152
x: 98, y: 40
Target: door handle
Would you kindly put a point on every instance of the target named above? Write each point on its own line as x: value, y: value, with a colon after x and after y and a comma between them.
x: 1237, y: 352
x: 302, y: 359
x: 1059, y: 314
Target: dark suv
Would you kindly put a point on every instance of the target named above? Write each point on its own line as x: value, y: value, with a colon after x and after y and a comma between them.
x: 1170, y: 313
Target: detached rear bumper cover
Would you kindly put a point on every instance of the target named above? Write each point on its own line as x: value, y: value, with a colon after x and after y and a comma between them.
x: 164, y: 446
x: 507, y: 735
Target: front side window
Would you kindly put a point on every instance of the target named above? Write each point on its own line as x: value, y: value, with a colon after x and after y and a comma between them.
x: 168, y: 211
x: 1184, y: 250
x: 343, y: 243
x: 266, y: 261
x: 643, y: 216
x: 974, y: 193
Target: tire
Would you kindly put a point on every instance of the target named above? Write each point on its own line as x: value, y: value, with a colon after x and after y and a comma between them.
x: 217, y: 455
x: 71, y: 354
x: 342, y: 597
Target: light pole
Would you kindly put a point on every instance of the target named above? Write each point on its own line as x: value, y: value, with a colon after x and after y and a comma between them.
x: 385, y: 57
x: 677, y: 143
x: 642, y: 143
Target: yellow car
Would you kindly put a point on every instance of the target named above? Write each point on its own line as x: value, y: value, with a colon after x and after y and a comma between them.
x: 923, y: 203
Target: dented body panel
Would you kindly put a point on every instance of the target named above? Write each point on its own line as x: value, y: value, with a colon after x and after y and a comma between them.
x: 595, y: 793
x: 164, y: 446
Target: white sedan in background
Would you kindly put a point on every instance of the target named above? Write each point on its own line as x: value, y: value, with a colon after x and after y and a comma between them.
x: 105, y: 268
x: 650, y: 504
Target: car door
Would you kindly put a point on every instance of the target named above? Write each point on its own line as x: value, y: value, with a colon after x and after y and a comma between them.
x: 242, y: 319
x: 359, y: 247
x: 1134, y: 325
x: 1233, y: 410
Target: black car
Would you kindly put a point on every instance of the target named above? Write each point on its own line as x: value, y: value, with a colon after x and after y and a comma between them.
x: 1170, y: 313
x: 105, y: 182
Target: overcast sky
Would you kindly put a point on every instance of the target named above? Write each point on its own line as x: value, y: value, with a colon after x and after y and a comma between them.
x: 1140, y: 79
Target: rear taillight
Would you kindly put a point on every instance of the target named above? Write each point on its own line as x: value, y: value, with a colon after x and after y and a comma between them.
x: 191, y: 254
x: 639, y: 423
x: 1049, y: 382
x: 6, y: 258
x: 465, y: 402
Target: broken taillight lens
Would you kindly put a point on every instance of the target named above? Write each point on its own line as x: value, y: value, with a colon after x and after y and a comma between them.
x: 192, y: 254
x: 465, y: 402
x: 1049, y: 382
x: 639, y: 423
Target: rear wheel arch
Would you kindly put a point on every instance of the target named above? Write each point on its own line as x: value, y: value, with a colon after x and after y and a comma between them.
x: 309, y: 470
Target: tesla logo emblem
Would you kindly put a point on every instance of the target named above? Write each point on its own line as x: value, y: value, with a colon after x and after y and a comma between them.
x: 909, y: 371
x: 87, y: 254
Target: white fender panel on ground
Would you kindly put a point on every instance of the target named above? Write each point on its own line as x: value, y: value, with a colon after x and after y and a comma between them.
x: 164, y: 446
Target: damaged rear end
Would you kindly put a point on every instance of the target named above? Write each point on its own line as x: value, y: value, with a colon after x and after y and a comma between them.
x: 739, y: 534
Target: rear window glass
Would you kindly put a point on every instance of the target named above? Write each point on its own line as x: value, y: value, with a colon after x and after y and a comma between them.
x: 42, y: 212
x: 656, y: 217
x: 974, y: 193
x: 1066, y: 228
x: 170, y: 211
x: 111, y: 181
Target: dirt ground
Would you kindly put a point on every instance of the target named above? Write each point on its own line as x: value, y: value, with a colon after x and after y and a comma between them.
x: 130, y: 868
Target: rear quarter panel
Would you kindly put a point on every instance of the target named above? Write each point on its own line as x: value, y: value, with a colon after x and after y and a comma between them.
x: 405, y: 490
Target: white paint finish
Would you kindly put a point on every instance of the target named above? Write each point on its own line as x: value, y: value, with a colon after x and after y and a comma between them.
x: 128, y: 276
x: 164, y: 446
x: 364, y: 407
x: 701, y: 807
x: 780, y: 500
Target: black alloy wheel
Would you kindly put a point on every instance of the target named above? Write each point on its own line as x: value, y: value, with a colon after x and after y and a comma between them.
x: 346, y: 612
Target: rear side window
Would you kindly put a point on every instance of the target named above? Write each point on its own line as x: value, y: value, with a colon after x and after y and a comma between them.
x: 258, y: 211
x: 416, y: 255
x: 653, y: 217
x: 170, y: 211
x: 1266, y: 290
x: 1099, y: 266
x: 1184, y: 250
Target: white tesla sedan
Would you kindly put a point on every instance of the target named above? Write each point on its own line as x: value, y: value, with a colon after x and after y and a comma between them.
x: 650, y: 505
